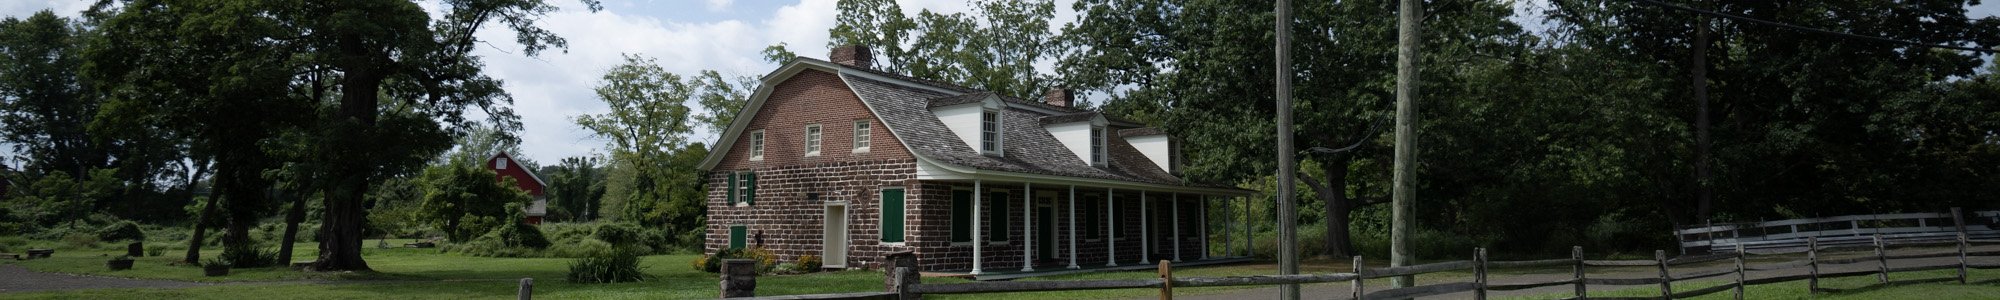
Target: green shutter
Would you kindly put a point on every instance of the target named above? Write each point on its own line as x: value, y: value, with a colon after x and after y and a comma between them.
x: 892, y: 215
x: 961, y: 216
x: 736, y: 236
x: 751, y: 195
x: 731, y: 200
x: 1091, y: 209
x: 996, y: 215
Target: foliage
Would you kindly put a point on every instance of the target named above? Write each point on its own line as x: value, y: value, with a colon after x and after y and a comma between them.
x: 581, y: 248
x: 58, y: 198
x: 249, y: 256
x: 515, y: 239
x: 618, y: 233
x: 648, y: 127
x: 995, y: 50
x: 122, y: 231
x: 575, y: 189
x: 809, y: 263
x: 612, y: 267
x: 765, y: 261
x: 464, y: 200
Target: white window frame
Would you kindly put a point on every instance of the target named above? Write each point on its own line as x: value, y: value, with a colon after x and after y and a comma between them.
x: 1097, y: 145
x: 997, y: 131
x: 742, y: 189
x: 862, y: 132
x: 757, y: 144
x: 880, y: 223
x: 500, y: 163
x: 814, y: 133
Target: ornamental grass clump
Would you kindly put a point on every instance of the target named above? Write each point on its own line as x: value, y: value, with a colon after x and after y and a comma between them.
x: 614, y: 267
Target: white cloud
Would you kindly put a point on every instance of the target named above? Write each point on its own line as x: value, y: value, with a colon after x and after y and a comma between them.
x: 718, y: 5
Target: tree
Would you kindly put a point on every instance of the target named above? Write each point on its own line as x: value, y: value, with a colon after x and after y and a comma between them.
x: 372, y: 50
x: 995, y: 50
x: 465, y: 201
x: 575, y: 188
x: 648, y: 127
x: 722, y: 99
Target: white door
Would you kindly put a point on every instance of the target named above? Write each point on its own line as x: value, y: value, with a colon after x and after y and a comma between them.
x: 835, y: 249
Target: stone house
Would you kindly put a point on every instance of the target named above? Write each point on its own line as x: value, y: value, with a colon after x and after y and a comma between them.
x: 837, y: 160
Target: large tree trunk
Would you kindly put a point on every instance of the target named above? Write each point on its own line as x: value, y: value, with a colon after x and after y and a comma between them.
x: 292, y: 219
x: 1704, y: 194
x: 340, y: 248
x: 201, y: 222
x: 1338, y: 242
x: 246, y: 200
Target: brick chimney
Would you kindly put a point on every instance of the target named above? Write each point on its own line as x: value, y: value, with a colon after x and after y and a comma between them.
x: 1060, y: 97
x: 853, y: 56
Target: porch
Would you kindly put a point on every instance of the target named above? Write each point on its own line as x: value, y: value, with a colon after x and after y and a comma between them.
x: 1006, y: 274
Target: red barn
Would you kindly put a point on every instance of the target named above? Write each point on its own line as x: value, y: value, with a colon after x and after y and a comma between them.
x: 505, y: 166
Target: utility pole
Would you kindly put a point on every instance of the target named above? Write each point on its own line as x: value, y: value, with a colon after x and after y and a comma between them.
x: 1288, y: 214
x: 1704, y: 196
x: 1407, y: 57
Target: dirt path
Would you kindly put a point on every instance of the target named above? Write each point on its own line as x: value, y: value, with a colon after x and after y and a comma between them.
x: 18, y: 279
x: 1342, y: 290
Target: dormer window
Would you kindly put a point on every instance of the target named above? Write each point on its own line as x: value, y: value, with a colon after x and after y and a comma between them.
x: 1097, y: 146
x: 989, y: 131
x: 500, y: 163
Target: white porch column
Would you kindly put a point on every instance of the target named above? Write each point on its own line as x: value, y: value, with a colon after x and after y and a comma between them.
x: 1145, y: 237
x: 977, y: 241
x: 1177, y: 227
x: 1072, y: 228
x: 1249, y: 241
x: 1111, y: 217
x: 1228, y: 240
x: 1028, y: 216
x: 1203, y: 224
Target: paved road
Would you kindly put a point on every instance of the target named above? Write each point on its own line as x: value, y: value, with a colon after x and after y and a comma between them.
x: 1342, y: 290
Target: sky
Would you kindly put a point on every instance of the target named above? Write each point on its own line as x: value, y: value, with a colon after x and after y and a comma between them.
x: 685, y: 36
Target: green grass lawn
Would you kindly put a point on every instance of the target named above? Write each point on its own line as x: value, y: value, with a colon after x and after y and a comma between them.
x: 403, y: 273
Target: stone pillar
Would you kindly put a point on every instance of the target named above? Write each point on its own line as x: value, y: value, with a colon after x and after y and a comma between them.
x: 739, y: 278
x: 135, y: 249
x: 901, y: 268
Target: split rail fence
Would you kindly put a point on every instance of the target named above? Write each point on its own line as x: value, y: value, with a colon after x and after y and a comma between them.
x: 904, y: 284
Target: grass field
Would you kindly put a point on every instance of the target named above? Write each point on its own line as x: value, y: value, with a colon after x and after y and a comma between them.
x: 426, y: 274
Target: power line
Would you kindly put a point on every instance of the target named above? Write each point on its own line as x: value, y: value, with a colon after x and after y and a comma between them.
x: 1810, y: 29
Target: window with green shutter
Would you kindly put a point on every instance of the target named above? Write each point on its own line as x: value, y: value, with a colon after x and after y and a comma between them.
x: 737, y: 235
x: 750, y: 182
x: 730, y: 199
x: 961, y: 216
x: 892, y: 215
x: 1092, y: 208
x: 996, y: 217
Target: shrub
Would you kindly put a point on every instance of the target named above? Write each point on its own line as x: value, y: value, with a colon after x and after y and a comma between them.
x: 122, y: 231
x: 511, y: 240
x: 810, y: 263
x: 587, y: 247
x: 563, y: 233
x: 618, y: 234
x: 249, y: 256
x: 614, y: 267
x: 786, y: 268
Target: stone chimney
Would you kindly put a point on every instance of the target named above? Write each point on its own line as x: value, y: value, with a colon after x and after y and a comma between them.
x: 1060, y: 97
x: 853, y: 56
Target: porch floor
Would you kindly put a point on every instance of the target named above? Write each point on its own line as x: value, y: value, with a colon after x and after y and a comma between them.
x: 1014, y: 272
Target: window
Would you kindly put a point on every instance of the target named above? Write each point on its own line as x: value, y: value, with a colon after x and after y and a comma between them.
x: 757, y: 145
x: 743, y: 188
x: 861, y: 135
x: 989, y: 131
x: 500, y: 163
x: 961, y: 216
x: 737, y: 236
x: 892, y: 214
x: 812, y: 139
x: 996, y: 217
x: 1091, y: 212
x: 1097, y: 146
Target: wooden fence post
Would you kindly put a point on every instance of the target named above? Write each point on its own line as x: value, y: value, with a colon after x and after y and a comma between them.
x: 1882, y: 259
x: 1958, y: 221
x: 1479, y: 272
x: 1812, y: 260
x: 527, y: 289
x: 1357, y: 278
x: 1666, y: 280
x: 1576, y: 252
x: 1739, y: 271
x: 1166, y: 280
